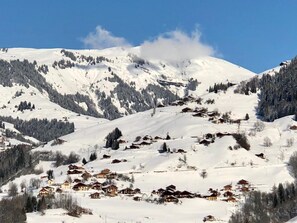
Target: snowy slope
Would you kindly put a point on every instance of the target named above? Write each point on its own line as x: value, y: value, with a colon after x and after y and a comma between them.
x: 153, y: 170
x: 150, y: 169
x: 92, y: 72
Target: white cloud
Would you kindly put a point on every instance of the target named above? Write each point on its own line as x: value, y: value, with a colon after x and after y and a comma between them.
x: 176, y: 46
x: 102, y: 38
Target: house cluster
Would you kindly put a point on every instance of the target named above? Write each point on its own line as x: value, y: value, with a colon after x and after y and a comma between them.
x: 186, y: 100
x: 213, y: 116
x: 229, y: 193
x: 145, y: 141
x: 210, y: 137
x: 88, y: 182
x: 170, y: 194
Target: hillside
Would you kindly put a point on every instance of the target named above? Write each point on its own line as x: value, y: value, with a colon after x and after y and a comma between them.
x: 108, y: 83
x: 195, y: 143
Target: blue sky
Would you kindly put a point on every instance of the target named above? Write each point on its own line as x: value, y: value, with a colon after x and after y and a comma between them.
x: 254, y: 34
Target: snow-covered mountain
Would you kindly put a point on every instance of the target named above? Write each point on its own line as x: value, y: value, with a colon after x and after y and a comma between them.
x: 108, y: 83
x: 199, y: 129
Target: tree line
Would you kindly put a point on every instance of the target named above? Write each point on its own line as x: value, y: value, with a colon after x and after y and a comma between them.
x: 42, y: 129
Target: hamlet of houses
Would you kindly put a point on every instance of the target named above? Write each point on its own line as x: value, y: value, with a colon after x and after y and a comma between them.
x: 103, y: 184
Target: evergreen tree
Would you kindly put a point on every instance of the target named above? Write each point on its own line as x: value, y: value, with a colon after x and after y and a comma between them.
x: 41, y: 205
x: 29, y: 205
x: 247, y: 117
x: 281, y: 193
x: 50, y: 174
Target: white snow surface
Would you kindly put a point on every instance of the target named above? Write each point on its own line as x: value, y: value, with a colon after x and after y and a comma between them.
x: 86, y: 78
x: 151, y: 169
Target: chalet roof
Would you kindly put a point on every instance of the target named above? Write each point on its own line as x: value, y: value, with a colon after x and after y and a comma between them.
x: 172, y: 187
x: 80, y: 185
x: 228, y: 194
x: 43, y: 190
x: 116, y: 161
x: 105, y: 171
x: 171, y: 198
x: 72, y: 167
x: 167, y: 193
x: 48, y: 188
x: 186, y: 193
x: 86, y: 174
x: 243, y: 182
x: 110, y: 186
x: 97, y: 183
x: 127, y: 190
x: 74, y: 171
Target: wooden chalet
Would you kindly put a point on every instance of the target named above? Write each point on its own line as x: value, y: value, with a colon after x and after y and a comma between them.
x: 51, y: 182
x: 95, y: 195
x: 81, y: 187
x: 209, y: 136
x: 293, y: 127
x: 186, y: 109
x: 260, y: 155
x: 137, y: 198
x: 127, y: 191
x: 209, y: 218
x: 103, y: 173
x: 66, y: 185
x: 243, y: 182
x: 86, y: 175
x: 199, y: 114
x: 111, y: 176
x: 110, y: 190
x: 212, y: 114
x: 43, y: 192
x: 106, y: 156
x: 59, y: 190
x: 145, y: 143
x: 171, y: 187
x: 50, y: 189
x: 205, y: 142
x: 74, y: 171
x: 147, y: 137
x: 116, y: 161
x: 228, y: 194
x: 171, y: 199
x: 160, y: 191
x: 96, y: 186
x: 134, y: 146
x: 167, y: 193
x: 228, y: 187
x: 75, y: 167
x: 244, y: 189
x: 212, y: 197
x: 185, y: 194
x: 231, y: 199
x: 77, y: 180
